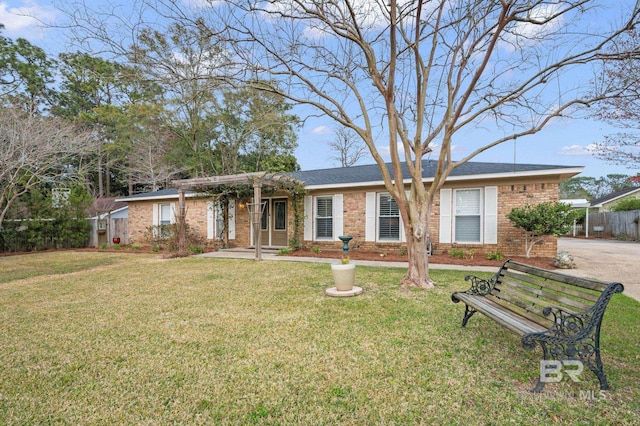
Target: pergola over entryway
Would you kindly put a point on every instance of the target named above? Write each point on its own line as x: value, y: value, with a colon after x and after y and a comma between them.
x: 256, y: 179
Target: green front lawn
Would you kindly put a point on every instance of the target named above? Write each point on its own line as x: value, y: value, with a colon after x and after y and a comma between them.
x: 116, y: 338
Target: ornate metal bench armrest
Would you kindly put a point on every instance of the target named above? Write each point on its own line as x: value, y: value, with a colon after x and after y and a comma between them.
x: 480, y: 286
x: 570, y: 324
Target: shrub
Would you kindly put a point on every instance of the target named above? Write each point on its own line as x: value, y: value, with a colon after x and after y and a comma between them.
x: 540, y: 220
x: 457, y: 253
x: 495, y: 256
x: 626, y: 205
x: 196, y: 249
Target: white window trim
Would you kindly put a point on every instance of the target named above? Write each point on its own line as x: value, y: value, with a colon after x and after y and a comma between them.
x: 480, y: 213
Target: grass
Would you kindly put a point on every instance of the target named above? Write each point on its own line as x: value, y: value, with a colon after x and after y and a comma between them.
x: 116, y: 338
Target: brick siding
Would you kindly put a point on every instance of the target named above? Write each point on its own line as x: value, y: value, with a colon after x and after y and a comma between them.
x: 510, y: 239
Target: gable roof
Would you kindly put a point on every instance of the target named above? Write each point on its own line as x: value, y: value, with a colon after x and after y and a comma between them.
x: 105, y: 204
x: 162, y: 194
x: 371, y: 174
x: 599, y: 202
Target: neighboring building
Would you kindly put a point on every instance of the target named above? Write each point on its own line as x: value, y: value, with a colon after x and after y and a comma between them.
x: 469, y: 212
x: 604, y: 204
x: 108, y: 221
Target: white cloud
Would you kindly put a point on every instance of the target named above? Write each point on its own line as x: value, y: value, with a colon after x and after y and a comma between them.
x: 526, y: 34
x: 577, y: 150
x: 21, y: 21
x: 321, y: 130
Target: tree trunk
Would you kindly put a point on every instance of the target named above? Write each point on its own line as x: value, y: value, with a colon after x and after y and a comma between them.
x: 417, y: 237
x: 100, y: 181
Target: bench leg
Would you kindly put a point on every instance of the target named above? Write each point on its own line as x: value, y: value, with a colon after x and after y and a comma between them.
x: 598, y: 370
x: 538, y: 388
x: 468, y: 313
x: 589, y: 355
x: 604, y: 385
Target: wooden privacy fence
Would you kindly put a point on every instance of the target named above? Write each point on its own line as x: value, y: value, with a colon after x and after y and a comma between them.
x: 622, y: 225
x: 115, y: 228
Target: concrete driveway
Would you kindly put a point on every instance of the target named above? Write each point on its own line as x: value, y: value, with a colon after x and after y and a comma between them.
x: 605, y: 260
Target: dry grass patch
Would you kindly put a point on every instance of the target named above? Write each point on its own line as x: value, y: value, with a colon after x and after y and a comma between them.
x: 123, y: 339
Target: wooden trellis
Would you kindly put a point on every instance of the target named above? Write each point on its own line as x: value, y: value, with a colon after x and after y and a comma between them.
x: 257, y: 180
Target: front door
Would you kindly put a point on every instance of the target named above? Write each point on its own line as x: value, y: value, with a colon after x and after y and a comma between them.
x: 279, y: 223
x: 273, y: 225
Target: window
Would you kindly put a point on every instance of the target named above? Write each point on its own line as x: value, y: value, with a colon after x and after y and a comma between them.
x: 215, y: 220
x: 388, y: 218
x: 165, y: 214
x: 468, y: 209
x: 218, y: 214
x: 280, y: 211
x: 324, y: 217
x: 164, y: 219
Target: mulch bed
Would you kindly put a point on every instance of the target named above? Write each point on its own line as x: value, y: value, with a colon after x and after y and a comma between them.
x: 435, y: 259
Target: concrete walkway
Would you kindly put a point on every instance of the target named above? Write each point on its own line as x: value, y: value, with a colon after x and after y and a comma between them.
x: 605, y: 260
x: 274, y: 256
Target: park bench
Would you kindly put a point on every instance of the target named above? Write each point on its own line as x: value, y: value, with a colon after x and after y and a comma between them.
x: 562, y: 313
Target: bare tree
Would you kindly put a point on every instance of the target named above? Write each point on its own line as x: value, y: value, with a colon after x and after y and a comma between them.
x: 36, y: 150
x: 622, y: 148
x: 419, y: 73
x: 422, y: 72
x: 347, y: 147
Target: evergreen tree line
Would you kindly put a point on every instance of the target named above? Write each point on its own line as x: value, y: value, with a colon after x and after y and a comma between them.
x: 160, y: 117
x: 98, y: 128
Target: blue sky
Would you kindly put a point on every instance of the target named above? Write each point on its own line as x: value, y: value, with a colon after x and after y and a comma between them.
x: 563, y: 142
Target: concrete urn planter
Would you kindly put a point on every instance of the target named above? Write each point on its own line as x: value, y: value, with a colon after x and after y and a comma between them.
x: 344, y: 276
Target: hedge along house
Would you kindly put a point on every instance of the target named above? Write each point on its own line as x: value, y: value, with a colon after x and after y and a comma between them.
x: 469, y: 212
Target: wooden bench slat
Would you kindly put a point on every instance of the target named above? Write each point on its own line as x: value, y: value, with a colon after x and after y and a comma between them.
x: 567, y: 279
x: 530, y: 312
x: 541, y: 297
x: 514, y: 299
x: 579, y: 292
x: 501, y: 315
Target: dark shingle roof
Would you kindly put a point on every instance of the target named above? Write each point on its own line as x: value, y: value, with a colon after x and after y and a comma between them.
x: 163, y: 193
x: 371, y: 172
x: 613, y: 196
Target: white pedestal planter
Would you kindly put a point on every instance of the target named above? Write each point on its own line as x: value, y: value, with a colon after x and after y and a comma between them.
x: 343, y: 278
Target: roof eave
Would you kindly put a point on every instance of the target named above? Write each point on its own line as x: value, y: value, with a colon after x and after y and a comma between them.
x: 564, y: 173
x: 162, y: 197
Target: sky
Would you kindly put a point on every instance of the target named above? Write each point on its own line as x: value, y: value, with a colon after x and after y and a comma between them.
x: 563, y: 142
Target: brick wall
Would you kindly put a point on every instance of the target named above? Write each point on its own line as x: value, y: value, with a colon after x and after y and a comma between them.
x: 243, y: 227
x: 510, y: 239
x: 140, y: 218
